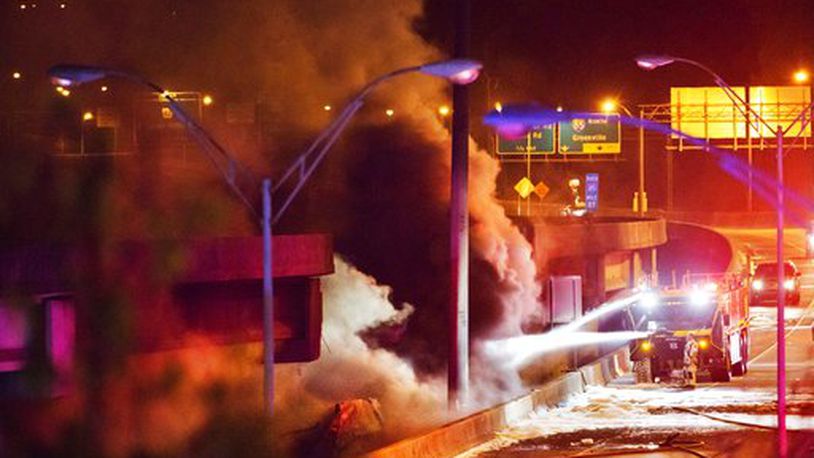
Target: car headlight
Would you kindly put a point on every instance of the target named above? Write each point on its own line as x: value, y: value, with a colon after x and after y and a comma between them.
x: 810, y: 239
x: 789, y: 285
x: 699, y: 297
x: 649, y: 299
x: 757, y: 285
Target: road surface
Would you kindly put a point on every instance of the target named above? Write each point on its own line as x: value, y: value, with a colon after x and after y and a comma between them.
x: 714, y: 419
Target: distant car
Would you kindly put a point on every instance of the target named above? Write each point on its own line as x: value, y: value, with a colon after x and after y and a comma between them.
x: 763, y: 288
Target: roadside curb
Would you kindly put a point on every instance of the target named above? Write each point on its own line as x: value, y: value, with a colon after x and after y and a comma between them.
x: 461, y: 435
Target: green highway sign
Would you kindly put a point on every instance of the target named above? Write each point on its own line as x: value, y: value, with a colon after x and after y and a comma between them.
x: 598, y: 134
x: 539, y: 141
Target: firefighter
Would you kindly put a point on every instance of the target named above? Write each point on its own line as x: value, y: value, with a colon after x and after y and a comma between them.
x: 690, y: 371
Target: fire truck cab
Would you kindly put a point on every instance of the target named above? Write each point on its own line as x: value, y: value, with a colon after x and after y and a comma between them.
x: 701, y: 329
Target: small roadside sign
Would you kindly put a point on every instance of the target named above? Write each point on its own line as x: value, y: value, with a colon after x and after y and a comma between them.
x: 541, y: 190
x: 524, y: 187
x: 592, y: 192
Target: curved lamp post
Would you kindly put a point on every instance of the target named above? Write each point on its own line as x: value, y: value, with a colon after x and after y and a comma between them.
x: 610, y: 106
x: 456, y: 71
x: 230, y: 169
x: 653, y: 62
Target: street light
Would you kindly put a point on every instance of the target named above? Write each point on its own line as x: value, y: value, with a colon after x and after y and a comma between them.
x: 457, y: 71
x: 650, y: 62
x: 801, y: 76
x: 653, y: 62
x: 609, y: 106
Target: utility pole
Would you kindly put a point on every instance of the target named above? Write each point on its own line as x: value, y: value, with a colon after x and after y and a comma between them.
x: 642, y: 195
x: 782, y: 438
x: 458, y: 316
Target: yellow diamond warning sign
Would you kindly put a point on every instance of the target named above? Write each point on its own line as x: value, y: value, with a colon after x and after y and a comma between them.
x: 524, y: 187
x: 541, y: 189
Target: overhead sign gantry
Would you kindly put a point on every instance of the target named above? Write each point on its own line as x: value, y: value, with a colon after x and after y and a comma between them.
x: 600, y: 134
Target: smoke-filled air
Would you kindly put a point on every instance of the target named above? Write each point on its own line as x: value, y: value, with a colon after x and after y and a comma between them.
x: 383, y: 193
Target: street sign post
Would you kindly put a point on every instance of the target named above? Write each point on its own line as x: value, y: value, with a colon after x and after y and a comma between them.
x: 539, y: 140
x: 592, y: 192
x: 592, y: 135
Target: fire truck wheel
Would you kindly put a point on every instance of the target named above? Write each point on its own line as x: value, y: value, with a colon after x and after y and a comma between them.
x: 720, y: 372
x: 642, y: 372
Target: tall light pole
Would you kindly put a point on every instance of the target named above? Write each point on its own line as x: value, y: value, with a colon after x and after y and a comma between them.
x: 456, y: 71
x: 458, y: 308
x: 609, y: 106
x: 653, y: 62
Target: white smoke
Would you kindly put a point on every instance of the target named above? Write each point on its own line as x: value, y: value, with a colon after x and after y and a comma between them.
x: 349, y: 369
x: 501, y: 243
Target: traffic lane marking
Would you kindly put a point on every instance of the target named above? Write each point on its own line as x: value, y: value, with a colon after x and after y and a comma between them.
x: 794, y: 328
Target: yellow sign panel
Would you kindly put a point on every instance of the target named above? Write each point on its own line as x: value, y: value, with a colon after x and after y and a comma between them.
x: 524, y: 187
x: 707, y: 112
x: 710, y: 113
x: 599, y: 148
x: 780, y: 106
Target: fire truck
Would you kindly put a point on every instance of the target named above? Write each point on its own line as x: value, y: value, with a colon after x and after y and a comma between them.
x: 700, y: 330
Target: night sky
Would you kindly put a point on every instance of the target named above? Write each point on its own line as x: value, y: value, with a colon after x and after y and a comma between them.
x: 576, y: 52
x: 568, y: 52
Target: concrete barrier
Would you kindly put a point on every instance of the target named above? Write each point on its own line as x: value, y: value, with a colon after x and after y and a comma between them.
x: 461, y: 435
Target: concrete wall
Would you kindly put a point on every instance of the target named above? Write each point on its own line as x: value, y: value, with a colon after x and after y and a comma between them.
x: 475, y: 429
x: 173, y: 295
x: 609, y: 253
